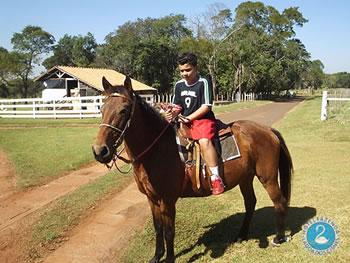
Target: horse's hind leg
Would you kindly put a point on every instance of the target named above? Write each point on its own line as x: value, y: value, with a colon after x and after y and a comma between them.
x: 247, y: 191
x: 280, y: 205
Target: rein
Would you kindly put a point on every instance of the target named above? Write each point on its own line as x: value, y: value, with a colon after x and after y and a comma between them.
x: 117, y: 155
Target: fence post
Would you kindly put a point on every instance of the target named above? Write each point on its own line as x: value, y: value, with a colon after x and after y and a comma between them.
x: 33, y: 109
x: 100, y: 104
x: 54, y: 108
x: 324, y: 106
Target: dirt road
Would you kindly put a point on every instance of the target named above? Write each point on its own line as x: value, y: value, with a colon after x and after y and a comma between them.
x: 18, y: 210
x: 16, y: 206
x: 105, y: 234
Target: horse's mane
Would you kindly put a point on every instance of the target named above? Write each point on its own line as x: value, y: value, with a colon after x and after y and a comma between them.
x: 155, y: 118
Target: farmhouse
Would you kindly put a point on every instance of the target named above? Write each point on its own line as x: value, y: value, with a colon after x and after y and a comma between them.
x: 63, y: 81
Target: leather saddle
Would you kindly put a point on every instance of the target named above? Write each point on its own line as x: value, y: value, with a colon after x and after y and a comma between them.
x: 194, y: 165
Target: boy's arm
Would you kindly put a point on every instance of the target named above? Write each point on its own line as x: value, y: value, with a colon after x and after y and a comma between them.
x: 204, y: 109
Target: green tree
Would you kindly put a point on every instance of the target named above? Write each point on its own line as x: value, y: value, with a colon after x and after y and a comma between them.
x: 4, y: 72
x: 28, y: 47
x: 145, y: 49
x: 340, y: 80
x: 62, y: 53
x: 210, y: 30
x: 5, y: 66
x: 343, y: 80
x: 262, y: 54
x: 73, y: 51
x: 84, y: 50
x: 313, y: 75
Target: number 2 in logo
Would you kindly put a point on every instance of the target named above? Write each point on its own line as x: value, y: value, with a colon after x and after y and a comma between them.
x: 188, y: 102
x: 320, y: 238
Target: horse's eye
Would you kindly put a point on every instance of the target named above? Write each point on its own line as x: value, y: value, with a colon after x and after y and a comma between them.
x: 123, y: 111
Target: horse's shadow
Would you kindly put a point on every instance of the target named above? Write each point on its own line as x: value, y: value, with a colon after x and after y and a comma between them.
x: 220, y: 235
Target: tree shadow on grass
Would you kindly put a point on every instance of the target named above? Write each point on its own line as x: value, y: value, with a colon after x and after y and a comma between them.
x: 219, y: 236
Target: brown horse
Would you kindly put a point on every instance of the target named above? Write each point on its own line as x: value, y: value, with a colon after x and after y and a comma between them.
x: 150, y: 143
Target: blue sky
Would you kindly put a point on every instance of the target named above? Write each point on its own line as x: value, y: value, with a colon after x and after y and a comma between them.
x: 326, y: 35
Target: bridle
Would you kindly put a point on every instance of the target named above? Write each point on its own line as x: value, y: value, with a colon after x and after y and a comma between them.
x: 117, y: 155
x: 127, y: 124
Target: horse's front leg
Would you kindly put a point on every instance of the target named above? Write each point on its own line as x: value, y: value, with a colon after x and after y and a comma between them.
x: 168, y: 218
x: 158, y: 227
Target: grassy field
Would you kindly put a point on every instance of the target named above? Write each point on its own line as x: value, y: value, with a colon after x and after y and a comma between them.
x: 21, y: 123
x: 206, y: 227
x: 339, y: 111
x: 43, y: 150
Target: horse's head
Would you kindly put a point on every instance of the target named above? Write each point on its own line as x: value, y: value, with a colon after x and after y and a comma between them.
x: 117, y: 112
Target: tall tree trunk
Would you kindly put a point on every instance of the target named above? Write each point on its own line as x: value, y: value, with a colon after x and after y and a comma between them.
x: 238, y: 80
x: 24, y: 88
x: 211, y: 69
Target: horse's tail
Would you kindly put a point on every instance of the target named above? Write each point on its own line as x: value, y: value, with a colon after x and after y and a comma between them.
x: 285, y: 167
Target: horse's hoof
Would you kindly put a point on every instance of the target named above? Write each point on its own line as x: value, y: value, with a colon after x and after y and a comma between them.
x: 240, y: 240
x: 276, y: 242
x: 154, y: 260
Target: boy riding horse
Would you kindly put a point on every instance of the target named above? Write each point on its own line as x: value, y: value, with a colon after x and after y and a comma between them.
x: 194, y: 95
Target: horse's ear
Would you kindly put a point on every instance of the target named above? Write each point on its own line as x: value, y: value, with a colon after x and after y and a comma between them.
x: 127, y: 82
x: 106, y: 86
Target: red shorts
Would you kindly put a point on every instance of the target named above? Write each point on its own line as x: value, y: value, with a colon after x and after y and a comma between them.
x: 204, y: 128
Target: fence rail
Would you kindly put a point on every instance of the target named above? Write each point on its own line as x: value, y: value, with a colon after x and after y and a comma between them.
x: 69, y: 107
x: 325, y: 104
x: 82, y: 107
x: 219, y: 98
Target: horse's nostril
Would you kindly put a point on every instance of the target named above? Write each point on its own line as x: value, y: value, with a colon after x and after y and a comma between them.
x: 100, y: 151
x: 104, y: 151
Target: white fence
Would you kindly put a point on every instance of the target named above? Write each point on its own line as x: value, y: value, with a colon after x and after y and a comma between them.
x: 79, y: 107
x: 325, y: 102
x: 219, y: 98
x: 70, y: 107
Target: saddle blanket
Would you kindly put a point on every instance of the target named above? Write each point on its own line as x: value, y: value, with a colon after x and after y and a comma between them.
x: 228, y: 148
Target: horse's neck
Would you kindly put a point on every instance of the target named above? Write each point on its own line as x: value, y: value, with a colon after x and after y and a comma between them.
x: 144, y: 128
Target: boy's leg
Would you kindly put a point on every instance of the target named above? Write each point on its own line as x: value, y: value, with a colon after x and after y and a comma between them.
x: 209, y: 152
x: 211, y: 159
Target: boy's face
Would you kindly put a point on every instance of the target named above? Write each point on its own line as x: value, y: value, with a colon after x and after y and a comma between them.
x: 189, y: 73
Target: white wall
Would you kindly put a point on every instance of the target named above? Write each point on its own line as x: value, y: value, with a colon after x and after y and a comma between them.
x: 52, y: 94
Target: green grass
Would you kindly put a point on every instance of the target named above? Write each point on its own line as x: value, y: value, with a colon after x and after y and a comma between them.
x: 5, y: 122
x: 239, y: 106
x: 206, y: 227
x: 67, y: 212
x: 339, y: 111
x: 44, y: 153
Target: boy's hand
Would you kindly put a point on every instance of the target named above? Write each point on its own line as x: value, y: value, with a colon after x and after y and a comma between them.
x: 170, y: 111
x: 183, y: 119
x: 168, y: 115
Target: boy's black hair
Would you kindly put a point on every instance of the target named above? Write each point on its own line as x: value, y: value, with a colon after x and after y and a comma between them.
x: 187, y: 58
